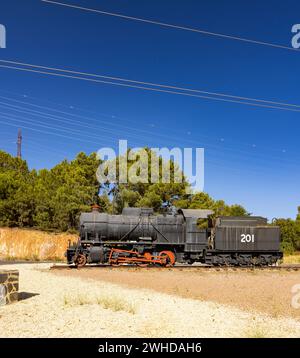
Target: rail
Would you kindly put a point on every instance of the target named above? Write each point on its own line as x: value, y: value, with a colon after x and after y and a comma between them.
x: 177, y: 267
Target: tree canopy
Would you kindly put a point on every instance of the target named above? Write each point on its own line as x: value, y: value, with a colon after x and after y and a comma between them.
x: 47, y: 199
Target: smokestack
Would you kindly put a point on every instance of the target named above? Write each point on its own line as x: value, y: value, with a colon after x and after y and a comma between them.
x: 95, y: 207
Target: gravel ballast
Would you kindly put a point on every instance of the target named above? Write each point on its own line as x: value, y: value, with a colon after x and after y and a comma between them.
x: 61, y: 306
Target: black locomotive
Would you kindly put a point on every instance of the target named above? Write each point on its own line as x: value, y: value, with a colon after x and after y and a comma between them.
x: 140, y: 237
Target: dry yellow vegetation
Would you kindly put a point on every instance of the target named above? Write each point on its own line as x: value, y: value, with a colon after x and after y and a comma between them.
x: 114, y: 303
x: 33, y: 245
x: 292, y: 259
x: 36, y: 245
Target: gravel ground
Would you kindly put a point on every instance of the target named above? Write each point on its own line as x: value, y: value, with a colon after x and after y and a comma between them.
x: 72, y: 307
x: 266, y: 291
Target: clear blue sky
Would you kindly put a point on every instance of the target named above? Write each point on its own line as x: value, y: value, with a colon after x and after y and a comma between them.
x: 252, y: 154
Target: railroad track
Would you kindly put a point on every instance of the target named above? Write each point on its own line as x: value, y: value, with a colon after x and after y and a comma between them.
x: 180, y: 268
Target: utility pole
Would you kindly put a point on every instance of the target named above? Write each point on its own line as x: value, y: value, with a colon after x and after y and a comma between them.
x: 19, y: 144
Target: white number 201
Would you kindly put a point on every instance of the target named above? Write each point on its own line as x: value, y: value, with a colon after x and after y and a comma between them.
x: 247, y: 238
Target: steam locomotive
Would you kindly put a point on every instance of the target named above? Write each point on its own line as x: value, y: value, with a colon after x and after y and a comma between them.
x: 139, y: 237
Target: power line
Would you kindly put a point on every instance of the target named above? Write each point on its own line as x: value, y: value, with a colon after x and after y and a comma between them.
x: 63, y: 119
x: 76, y: 132
x: 69, y: 121
x: 60, y: 128
x: 109, y: 116
x: 33, y: 129
x: 186, y: 89
x: 210, y: 161
x: 69, y: 137
x: 153, y: 89
x: 56, y: 128
x: 34, y: 146
x: 173, y: 26
x: 22, y: 109
x: 44, y: 131
x: 77, y: 122
x: 69, y: 107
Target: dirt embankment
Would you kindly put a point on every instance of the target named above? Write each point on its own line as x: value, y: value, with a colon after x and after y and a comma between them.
x: 33, y: 245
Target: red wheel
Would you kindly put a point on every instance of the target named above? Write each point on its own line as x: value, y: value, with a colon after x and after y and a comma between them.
x: 147, y: 256
x: 80, y: 260
x: 167, y: 258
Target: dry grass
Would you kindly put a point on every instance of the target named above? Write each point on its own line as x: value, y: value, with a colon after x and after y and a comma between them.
x: 292, y: 259
x: 154, y: 328
x: 113, y: 303
x: 256, y: 331
x: 33, y: 245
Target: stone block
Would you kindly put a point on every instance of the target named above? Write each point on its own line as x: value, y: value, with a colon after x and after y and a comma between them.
x: 9, y: 286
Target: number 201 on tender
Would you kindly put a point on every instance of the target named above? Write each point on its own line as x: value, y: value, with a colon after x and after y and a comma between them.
x: 246, y: 238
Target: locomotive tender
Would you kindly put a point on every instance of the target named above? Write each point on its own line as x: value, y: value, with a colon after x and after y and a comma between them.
x: 142, y: 238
